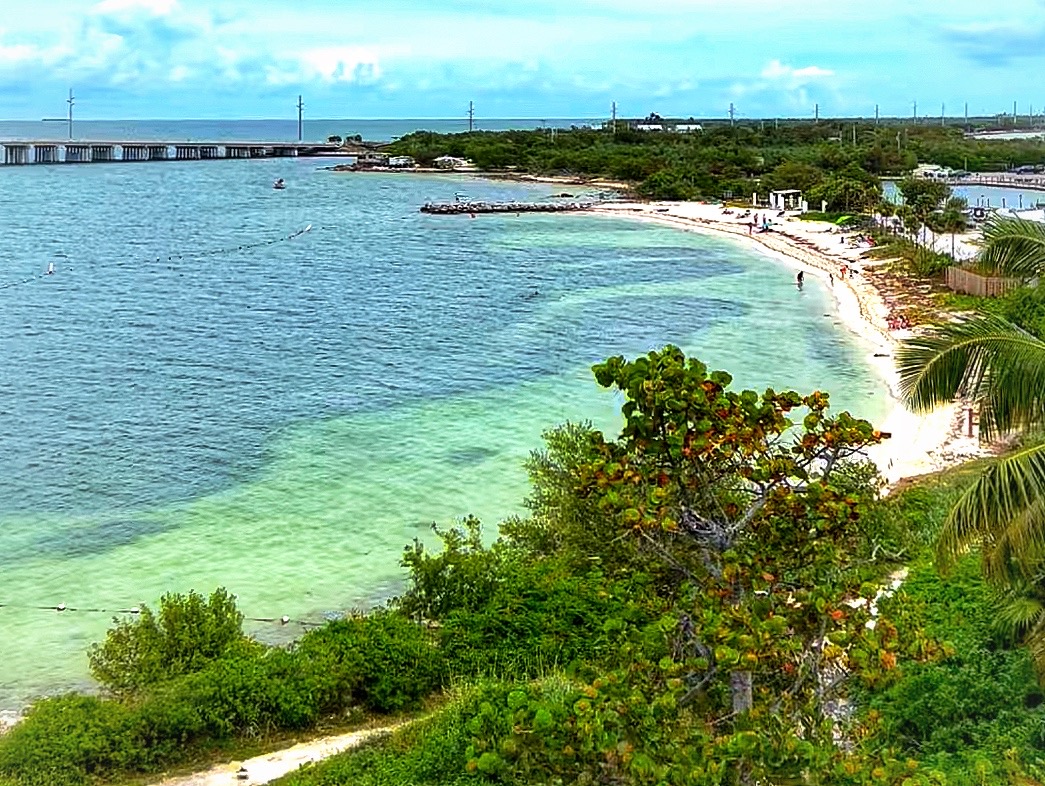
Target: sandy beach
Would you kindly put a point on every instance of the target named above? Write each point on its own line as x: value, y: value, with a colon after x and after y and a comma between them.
x: 919, y: 443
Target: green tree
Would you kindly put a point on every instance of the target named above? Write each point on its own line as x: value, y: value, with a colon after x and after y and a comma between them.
x: 792, y: 174
x: 757, y: 520
x: 951, y: 219
x: 185, y: 635
x: 999, y: 369
x: 923, y: 196
x: 847, y: 190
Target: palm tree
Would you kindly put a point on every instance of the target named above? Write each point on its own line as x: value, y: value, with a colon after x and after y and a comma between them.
x: 952, y: 218
x: 998, y: 368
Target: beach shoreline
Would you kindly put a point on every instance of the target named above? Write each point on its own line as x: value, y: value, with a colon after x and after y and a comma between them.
x: 919, y: 443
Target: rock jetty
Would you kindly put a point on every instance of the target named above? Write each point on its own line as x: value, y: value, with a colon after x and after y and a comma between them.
x: 459, y: 208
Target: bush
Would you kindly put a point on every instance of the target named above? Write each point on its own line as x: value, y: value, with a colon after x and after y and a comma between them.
x: 69, y: 740
x: 189, y: 632
x: 383, y: 660
x: 462, y: 575
x: 428, y: 752
x: 978, y: 703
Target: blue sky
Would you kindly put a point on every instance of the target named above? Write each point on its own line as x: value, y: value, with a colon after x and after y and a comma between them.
x: 518, y: 58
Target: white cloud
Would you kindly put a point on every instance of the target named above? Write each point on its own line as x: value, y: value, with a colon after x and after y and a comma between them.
x: 776, y: 70
x: 16, y: 53
x: 154, y: 7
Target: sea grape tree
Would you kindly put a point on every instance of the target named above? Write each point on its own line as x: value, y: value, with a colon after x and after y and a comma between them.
x: 757, y: 516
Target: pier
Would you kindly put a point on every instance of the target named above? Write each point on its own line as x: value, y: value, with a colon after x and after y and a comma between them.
x: 460, y: 208
x: 20, y: 153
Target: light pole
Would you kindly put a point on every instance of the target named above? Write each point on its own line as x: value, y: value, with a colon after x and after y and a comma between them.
x: 70, y: 101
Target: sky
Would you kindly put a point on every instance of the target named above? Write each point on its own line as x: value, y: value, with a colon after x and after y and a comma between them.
x: 130, y: 59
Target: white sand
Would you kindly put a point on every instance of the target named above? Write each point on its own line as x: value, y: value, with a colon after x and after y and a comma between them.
x: 919, y: 443
x: 269, y: 767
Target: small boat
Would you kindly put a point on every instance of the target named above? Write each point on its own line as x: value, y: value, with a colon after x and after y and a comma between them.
x: 279, y: 185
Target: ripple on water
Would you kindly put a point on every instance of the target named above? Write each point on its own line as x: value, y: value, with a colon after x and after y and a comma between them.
x: 282, y: 420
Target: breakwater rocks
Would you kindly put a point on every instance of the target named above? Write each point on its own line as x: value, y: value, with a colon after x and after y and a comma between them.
x: 472, y: 208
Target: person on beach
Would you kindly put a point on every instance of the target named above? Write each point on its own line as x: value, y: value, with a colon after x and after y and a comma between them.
x: 831, y: 278
x: 801, y: 278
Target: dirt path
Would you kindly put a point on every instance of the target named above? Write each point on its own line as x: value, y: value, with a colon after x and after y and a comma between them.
x: 270, y: 766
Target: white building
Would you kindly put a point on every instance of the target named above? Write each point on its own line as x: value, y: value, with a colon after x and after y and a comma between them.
x: 932, y: 171
x: 453, y: 162
x: 401, y: 162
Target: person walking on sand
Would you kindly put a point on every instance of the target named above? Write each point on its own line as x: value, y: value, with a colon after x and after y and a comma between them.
x: 801, y: 278
x: 831, y: 277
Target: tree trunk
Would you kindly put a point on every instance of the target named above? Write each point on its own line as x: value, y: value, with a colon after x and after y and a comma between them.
x: 740, y: 685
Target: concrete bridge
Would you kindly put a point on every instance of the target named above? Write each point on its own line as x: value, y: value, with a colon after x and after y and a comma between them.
x: 39, y: 152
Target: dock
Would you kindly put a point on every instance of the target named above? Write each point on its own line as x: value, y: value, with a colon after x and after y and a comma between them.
x: 20, y: 153
x: 472, y: 208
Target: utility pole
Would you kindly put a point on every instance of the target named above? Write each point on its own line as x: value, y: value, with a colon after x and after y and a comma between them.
x: 854, y: 134
x: 816, y: 113
x: 68, y: 119
x: 966, y: 113
x: 471, y: 116
x: 613, y: 117
x: 876, y: 114
x: 914, y: 112
x: 943, y: 114
x: 301, y: 118
x: 732, y: 114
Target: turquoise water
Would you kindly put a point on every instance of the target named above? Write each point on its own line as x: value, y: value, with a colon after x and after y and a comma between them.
x: 281, y: 420
x: 984, y: 196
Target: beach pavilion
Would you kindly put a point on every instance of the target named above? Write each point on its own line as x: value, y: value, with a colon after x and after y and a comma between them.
x: 788, y: 199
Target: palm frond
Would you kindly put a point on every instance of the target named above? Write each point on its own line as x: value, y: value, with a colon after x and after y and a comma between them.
x: 1016, y: 554
x: 1003, y: 505
x: 1035, y: 641
x: 1016, y: 615
x: 985, y: 359
x: 1014, y: 246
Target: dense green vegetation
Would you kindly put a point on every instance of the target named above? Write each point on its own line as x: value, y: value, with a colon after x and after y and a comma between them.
x: 687, y: 603
x: 824, y: 159
x: 996, y: 362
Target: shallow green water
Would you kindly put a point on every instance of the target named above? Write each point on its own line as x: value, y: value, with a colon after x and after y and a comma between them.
x: 281, y: 421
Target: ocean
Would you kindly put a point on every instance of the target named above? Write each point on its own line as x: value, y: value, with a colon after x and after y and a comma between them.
x: 265, y: 130
x: 203, y: 394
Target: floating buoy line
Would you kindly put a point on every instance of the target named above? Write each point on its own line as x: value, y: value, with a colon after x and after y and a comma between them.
x: 52, y: 270
x: 63, y: 609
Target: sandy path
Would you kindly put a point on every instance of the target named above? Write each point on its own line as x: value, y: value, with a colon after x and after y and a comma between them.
x: 270, y: 766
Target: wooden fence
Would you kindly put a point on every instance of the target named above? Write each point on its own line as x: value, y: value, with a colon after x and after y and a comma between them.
x: 969, y: 283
